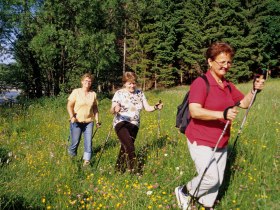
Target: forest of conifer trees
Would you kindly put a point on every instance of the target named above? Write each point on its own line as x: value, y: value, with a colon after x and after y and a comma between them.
x: 55, y: 41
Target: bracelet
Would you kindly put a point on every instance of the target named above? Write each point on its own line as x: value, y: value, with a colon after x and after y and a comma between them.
x: 226, y: 111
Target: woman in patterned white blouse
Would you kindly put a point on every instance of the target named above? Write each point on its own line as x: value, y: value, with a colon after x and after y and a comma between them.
x: 126, y: 105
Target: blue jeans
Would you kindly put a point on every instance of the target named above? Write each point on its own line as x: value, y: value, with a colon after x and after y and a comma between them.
x: 76, y: 130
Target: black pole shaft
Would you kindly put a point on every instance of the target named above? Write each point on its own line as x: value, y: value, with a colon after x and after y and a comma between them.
x: 243, y: 123
x: 104, y: 147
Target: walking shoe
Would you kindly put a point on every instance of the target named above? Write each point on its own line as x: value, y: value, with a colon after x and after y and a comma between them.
x: 86, y: 163
x: 182, y: 198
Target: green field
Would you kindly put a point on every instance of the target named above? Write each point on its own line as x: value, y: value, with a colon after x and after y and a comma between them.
x: 37, y: 173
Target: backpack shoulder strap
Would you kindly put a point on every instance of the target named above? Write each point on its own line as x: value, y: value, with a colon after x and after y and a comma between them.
x: 207, y: 82
x: 229, y: 87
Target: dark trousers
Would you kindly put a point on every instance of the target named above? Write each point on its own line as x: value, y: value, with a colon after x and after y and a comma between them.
x: 126, y: 133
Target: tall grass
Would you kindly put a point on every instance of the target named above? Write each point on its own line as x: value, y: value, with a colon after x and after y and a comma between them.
x: 37, y: 173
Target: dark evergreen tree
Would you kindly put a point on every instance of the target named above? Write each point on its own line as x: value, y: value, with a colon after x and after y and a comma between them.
x: 163, y: 41
x: 193, y: 40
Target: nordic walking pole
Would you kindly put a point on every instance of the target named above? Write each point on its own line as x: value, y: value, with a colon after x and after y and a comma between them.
x: 109, y: 134
x: 158, y: 133
x: 159, y: 102
x: 243, y: 122
x: 210, y: 160
x: 70, y: 134
x: 97, y: 126
x: 104, y: 145
x: 245, y: 117
x: 68, y: 140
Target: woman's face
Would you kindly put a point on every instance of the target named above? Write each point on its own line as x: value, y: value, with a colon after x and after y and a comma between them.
x: 86, y: 83
x: 221, y: 64
x: 130, y: 86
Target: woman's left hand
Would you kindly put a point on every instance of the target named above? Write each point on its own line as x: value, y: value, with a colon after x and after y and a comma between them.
x: 258, y: 84
x: 159, y: 105
x: 98, y: 124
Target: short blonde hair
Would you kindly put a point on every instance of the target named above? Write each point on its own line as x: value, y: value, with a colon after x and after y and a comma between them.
x: 86, y: 75
x: 129, y: 76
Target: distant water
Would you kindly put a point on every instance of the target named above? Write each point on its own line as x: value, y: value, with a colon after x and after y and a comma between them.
x: 9, y: 96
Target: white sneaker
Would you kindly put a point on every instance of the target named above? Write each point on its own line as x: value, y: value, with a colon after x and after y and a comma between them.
x: 182, y: 198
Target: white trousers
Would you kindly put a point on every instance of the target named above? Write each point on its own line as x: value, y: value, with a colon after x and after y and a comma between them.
x: 213, y: 178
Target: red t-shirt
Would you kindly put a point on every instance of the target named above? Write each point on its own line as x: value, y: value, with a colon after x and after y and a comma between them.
x: 207, y: 132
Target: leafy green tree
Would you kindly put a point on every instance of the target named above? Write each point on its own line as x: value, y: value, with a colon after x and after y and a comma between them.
x: 55, y: 41
x: 16, y: 18
x: 67, y: 39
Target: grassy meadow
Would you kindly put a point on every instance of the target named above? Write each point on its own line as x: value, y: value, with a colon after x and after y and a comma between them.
x: 37, y: 173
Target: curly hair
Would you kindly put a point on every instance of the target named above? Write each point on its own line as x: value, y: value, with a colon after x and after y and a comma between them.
x: 87, y: 75
x: 129, y: 76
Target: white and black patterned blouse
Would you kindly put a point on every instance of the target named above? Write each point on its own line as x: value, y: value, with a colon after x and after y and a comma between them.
x: 131, y: 105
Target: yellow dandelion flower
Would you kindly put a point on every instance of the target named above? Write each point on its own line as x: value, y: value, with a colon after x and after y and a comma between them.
x: 43, y: 200
x: 73, y: 202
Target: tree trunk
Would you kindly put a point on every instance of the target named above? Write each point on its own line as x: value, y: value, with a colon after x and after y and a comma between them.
x: 144, y: 80
x: 155, y: 81
x: 124, y: 47
x: 36, y: 77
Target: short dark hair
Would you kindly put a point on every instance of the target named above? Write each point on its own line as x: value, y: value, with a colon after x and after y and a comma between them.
x: 217, y: 48
x: 129, y: 76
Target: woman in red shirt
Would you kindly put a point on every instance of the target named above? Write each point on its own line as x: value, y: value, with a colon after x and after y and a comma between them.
x: 209, y: 114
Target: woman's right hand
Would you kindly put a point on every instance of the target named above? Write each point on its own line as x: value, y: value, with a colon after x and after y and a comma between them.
x: 231, y: 113
x: 117, y: 108
x: 73, y: 119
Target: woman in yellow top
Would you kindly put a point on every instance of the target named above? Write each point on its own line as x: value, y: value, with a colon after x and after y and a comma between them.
x: 82, y: 109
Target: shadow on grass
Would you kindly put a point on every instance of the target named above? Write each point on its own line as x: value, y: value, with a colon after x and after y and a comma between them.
x: 4, y: 157
x: 12, y: 203
x: 155, y: 145
x: 102, y: 148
